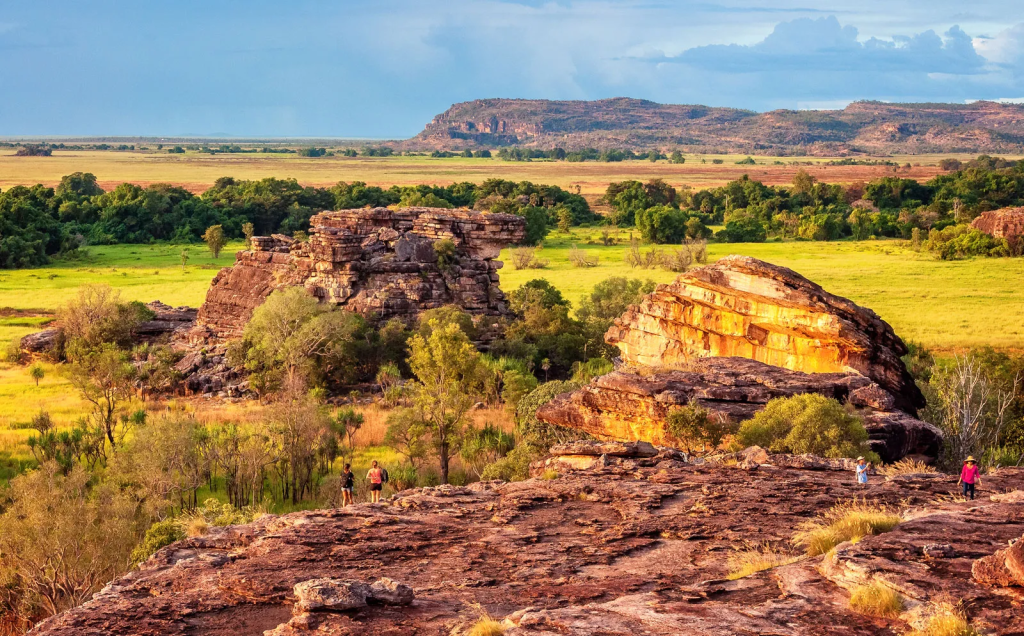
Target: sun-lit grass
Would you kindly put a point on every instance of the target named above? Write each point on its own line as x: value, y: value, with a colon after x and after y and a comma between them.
x: 486, y: 626
x: 946, y: 620
x: 906, y: 466
x: 743, y: 563
x: 876, y: 599
x: 847, y: 521
x: 21, y: 399
x: 198, y: 171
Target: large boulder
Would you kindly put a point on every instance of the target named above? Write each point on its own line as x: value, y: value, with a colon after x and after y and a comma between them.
x: 734, y: 335
x: 745, y: 307
x: 629, y: 406
x: 1004, y: 568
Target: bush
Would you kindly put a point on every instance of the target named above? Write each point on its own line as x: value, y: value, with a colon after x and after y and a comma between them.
x: 946, y: 620
x: 693, y: 425
x: 580, y: 258
x: 747, y: 230
x: 512, y: 467
x: 661, y: 224
x: 160, y: 534
x: 526, y: 258
x: 876, y: 599
x: 845, y: 522
x: 807, y: 423
x: 486, y: 626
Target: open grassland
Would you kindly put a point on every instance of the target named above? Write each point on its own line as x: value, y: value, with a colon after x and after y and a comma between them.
x: 943, y: 304
x: 198, y: 171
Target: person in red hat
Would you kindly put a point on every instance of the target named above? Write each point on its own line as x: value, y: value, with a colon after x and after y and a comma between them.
x: 970, y: 476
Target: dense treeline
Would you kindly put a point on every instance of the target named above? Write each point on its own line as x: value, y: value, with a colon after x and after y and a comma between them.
x: 935, y: 214
x: 37, y: 222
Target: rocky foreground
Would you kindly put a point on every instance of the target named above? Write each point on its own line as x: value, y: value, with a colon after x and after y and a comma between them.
x: 626, y: 546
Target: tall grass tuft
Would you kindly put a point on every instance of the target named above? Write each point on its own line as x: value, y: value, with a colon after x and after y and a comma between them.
x: 906, y: 466
x: 743, y: 563
x: 948, y: 620
x: 876, y: 599
x: 486, y: 626
x: 848, y: 521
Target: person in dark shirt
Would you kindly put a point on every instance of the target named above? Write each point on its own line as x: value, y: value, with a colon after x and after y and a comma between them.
x: 348, y: 483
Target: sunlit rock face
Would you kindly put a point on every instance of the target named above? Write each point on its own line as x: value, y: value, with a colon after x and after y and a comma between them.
x: 1007, y: 223
x: 734, y: 335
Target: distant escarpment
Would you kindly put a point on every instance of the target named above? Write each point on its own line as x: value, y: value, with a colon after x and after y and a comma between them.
x: 734, y: 335
x: 862, y: 127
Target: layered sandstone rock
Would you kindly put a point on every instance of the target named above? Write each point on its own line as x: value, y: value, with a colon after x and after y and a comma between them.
x: 378, y: 262
x: 634, y: 406
x: 167, y: 321
x: 745, y: 307
x: 734, y: 335
x: 619, y: 550
x: 1004, y: 568
x: 1007, y: 223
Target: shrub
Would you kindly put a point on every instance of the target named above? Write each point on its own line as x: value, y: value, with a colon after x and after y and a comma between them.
x: 693, y: 425
x: 846, y: 521
x: 584, y: 372
x: 661, y: 224
x: 580, y: 258
x: 526, y: 258
x: 512, y: 467
x: 445, y: 250
x: 644, y: 260
x: 743, y: 563
x: 677, y: 260
x: 876, y: 599
x: 807, y: 423
x: 906, y: 466
x: 160, y: 534
x: 402, y: 477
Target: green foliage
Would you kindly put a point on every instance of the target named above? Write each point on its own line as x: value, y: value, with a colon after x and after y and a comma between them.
x: 539, y: 436
x: 584, y: 372
x: 662, y: 224
x: 807, y: 423
x: 693, y: 425
x: 446, y: 258
x: 745, y: 230
x: 957, y: 242
x: 441, y: 317
x: 215, y: 239
x: 160, y: 534
x: 543, y: 329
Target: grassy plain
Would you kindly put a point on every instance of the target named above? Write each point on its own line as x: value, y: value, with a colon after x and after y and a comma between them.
x: 198, y: 171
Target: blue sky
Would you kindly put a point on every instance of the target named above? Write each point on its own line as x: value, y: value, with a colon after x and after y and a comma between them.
x: 383, y: 68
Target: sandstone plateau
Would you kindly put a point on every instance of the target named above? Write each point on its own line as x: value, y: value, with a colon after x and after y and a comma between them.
x: 637, y: 543
x: 733, y: 335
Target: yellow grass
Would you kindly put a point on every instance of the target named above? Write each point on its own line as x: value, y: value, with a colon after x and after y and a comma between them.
x: 743, y: 563
x: 947, y: 620
x: 906, y: 466
x: 486, y: 626
x: 848, y: 521
x: 198, y: 171
x: 876, y: 599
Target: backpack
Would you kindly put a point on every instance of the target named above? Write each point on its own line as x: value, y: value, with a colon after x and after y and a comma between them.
x: 383, y: 475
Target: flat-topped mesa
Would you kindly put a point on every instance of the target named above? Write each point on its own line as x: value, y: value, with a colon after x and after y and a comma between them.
x: 745, y: 307
x: 1007, y: 223
x: 379, y: 262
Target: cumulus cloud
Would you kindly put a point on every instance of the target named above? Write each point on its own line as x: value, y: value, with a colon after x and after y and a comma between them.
x: 824, y: 44
x: 1006, y: 48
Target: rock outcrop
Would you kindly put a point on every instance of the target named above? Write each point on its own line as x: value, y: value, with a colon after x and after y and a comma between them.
x: 734, y: 335
x: 167, y: 321
x: 1007, y: 223
x: 378, y: 262
x: 621, y: 549
x: 1004, y: 568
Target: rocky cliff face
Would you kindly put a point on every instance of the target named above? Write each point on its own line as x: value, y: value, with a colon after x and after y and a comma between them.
x: 381, y: 263
x: 1007, y: 223
x: 862, y: 127
x: 634, y: 544
x: 733, y: 335
x: 378, y: 262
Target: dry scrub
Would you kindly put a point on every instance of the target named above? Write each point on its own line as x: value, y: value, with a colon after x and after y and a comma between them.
x: 486, y: 626
x: 906, y: 467
x: 743, y: 563
x: 876, y: 599
x: 848, y: 521
x: 947, y: 620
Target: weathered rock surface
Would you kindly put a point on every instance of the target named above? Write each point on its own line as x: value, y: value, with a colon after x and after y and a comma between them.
x: 617, y: 550
x: 734, y: 335
x: 744, y: 307
x: 632, y: 406
x: 378, y: 262
x: 1007, y: 223
x: 1004, y: 568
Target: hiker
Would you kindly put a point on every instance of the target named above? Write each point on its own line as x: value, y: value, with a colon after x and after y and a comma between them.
x: 970, y: 476
x: 862, y: 470
x: 348, y: 482
x: 376, y: 477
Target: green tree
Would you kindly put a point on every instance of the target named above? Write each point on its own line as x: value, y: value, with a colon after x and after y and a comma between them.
x: 806, y: 423
x: 694, y: 425
x: 215, y: 239
x: 184, y: 258
x: 37, y: 372
x: 105, y: 378
x: 248, y: 231
x: 448, y: 372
